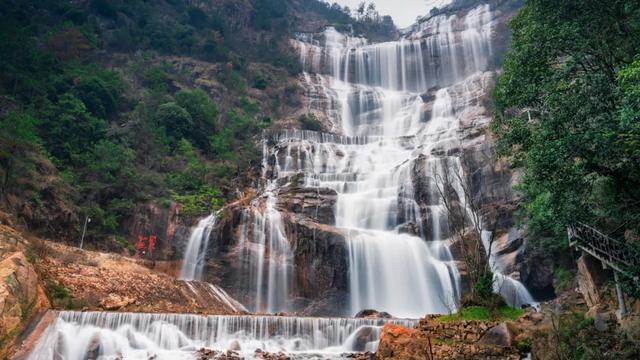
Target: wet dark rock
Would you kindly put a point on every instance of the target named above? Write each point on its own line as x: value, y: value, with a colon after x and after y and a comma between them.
x: 499, y: 335
x: 322, y: 265
x: 373, y: 314
x: 315, y: 203
x: 207, y: 354
x: 359, y: 356
x: 93, y: 349
x: 537, y: 273
x: 363, y: 336
x: 410, y: 228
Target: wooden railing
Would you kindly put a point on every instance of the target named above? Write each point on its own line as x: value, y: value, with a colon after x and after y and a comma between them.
x: 616, y: 254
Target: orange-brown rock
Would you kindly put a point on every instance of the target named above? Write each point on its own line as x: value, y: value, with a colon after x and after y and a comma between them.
x: 434, y: 339
x: 399, y: 342
x: 99, y: 281
x: 21, y: 296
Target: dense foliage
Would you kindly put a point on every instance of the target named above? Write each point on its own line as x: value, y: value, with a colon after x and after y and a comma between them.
x: 95, y: 121
x: 568, y: 113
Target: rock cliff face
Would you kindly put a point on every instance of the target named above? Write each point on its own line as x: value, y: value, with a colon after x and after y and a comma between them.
x: 419, y: 105
x: 21, y: 297
x: 21, y: 293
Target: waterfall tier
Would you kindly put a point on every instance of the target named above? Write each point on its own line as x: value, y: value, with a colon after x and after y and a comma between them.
x: 73, y: 335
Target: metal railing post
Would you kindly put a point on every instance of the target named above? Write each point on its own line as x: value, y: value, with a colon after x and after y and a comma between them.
x: 622, y: 308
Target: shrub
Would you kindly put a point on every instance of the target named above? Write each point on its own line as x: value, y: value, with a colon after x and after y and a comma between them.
x: 483, y: 288
x: 310, y: 122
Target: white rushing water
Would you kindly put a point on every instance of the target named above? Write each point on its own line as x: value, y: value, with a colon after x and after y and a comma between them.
x: 391, y: 107
x: 512, y: 290
x: 194, y: 263
x: 266, y: 255
x: 196, y: 251
x: 376, y: 103
x: 76, y: 335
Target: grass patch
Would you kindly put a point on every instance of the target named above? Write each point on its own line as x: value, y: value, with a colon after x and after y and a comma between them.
x: 481, y: 313
x: 510, y: 313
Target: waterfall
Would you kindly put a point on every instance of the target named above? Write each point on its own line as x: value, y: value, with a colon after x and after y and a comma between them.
x: 512, y: 290
x: 377, y: 94
x: 266, y: 255
x: 73, y: 335
x: 438, y: 52
x: 194, y: 256
x: 390, y: 108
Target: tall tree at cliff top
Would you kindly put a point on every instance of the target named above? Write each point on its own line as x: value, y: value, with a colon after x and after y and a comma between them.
x: 568, y: 112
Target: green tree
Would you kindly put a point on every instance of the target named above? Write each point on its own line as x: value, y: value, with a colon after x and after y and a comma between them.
x: 175, y: 120
x: 18, y: 133
x: 110, y: 183
x: 566, y: 113
x: 204, y: 115
x: 71, y: 130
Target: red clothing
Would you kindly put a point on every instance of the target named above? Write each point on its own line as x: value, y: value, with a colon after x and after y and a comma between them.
x: 140, y: 245
x: 152, y: 243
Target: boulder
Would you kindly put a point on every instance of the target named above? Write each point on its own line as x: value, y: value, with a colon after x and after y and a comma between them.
x: 235, y: 346
x: 116, y: 302
x: 362, y: 337
x: 373, y: 314
x: 399, y: 342
x: 499, y: 335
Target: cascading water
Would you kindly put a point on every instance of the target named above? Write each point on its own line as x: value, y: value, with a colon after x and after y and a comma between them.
x: 194, y: 256
x: 266, y: 255
x: 389, y: 107
x: 194, y: 263
x: 377, y: 94
x: 512, y: 290
x: 74, y: 335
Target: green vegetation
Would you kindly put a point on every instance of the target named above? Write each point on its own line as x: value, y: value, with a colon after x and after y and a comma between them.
x: 567, y: 113
x: 574, y: 336
x: 310, y: 122
x: 483, y: 288
x: 481, y: 313
x: 564, y: 278
x: 94, y: 133
x: 60, y: 296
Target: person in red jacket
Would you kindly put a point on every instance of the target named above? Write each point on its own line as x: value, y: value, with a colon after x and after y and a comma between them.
x: 141, y: 244
x: 152, y: 244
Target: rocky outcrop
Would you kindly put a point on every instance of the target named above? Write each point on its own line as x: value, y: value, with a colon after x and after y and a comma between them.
x: 320, y: 281
x: 21, y: 296
x: 499, y: 335
x: 315, y: 203
x: 165, y: 222
x: 97, y: 281
x: 373, y: 314
x: 399, y: 342
x: 592, y: 280
x: 537, y: 273
x: 322, y: 267
x: 435, y: 339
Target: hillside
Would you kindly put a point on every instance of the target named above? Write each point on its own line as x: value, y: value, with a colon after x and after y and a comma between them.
x: 108, y: 106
